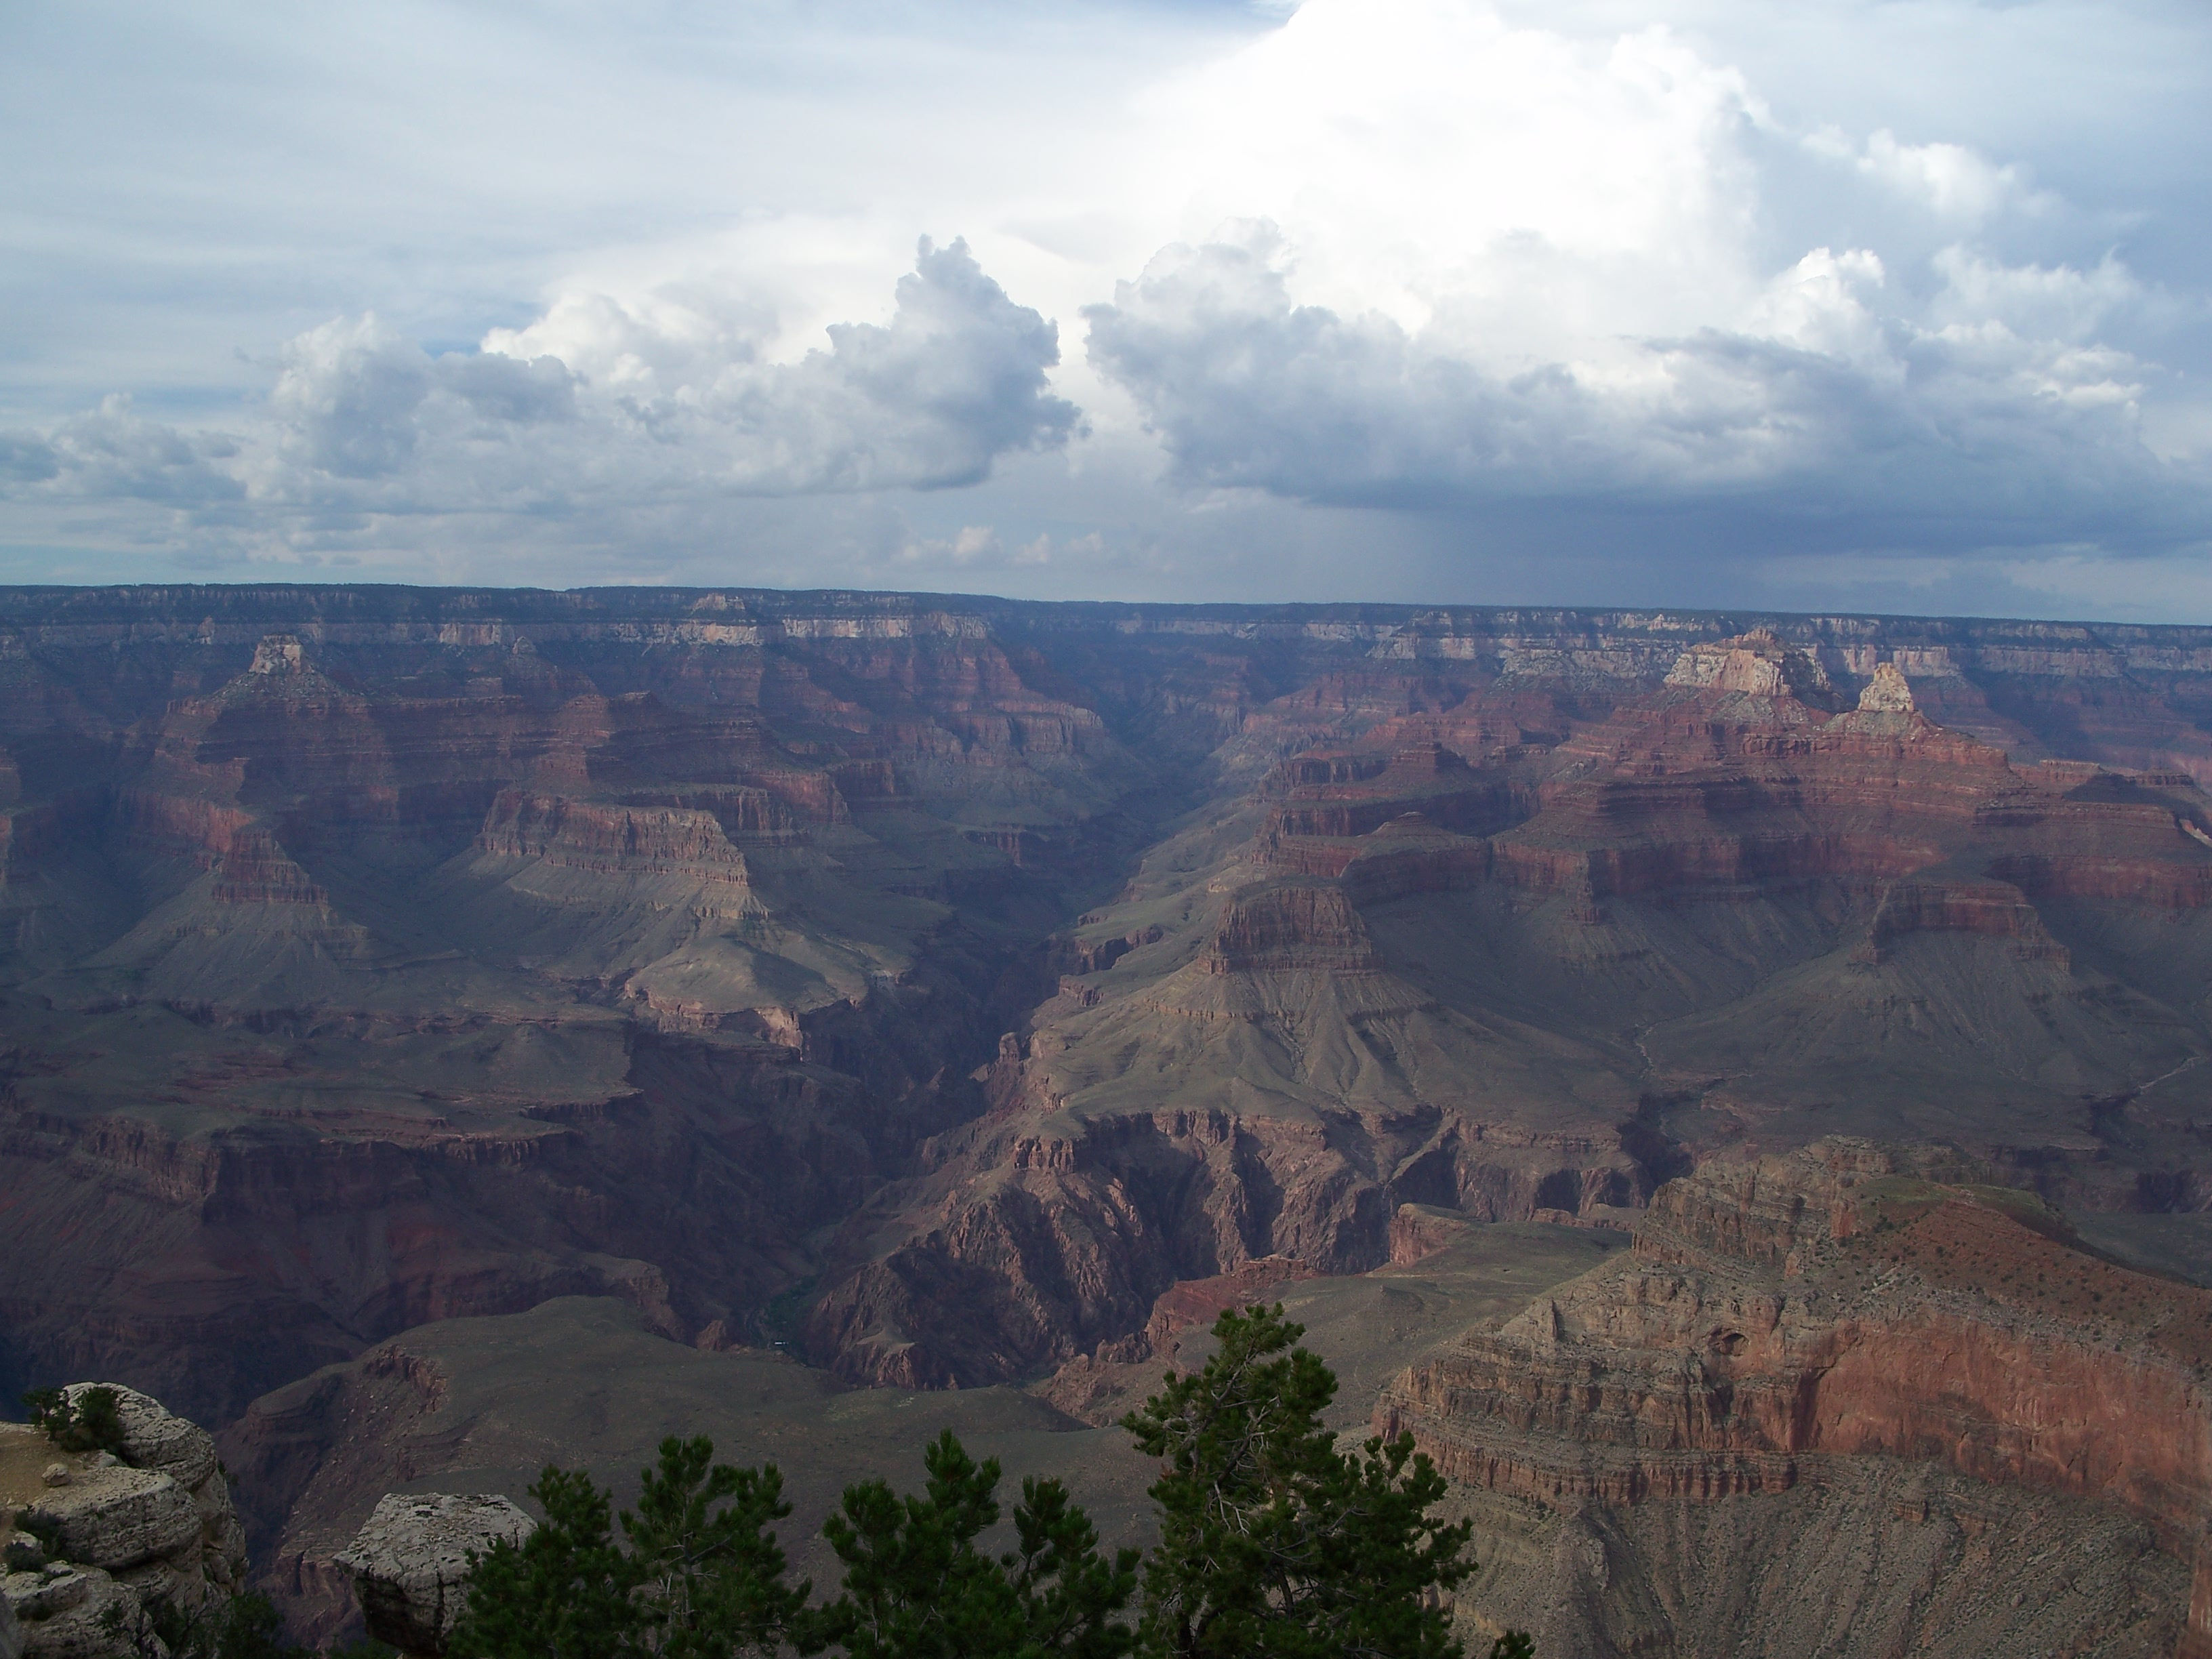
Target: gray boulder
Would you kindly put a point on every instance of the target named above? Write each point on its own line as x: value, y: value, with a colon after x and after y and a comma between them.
x: 410, y: 1562
x: 76, y: 1613
x: 111, y: 1512
x: 11, y: 1631
x: 154, y: 1437
x: 119, y: 1516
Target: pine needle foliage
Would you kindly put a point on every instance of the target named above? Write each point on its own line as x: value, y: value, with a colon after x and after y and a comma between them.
x: 563, y: 1593
x: 92, y: 1423
x: 702, y: 1577
x: 1274, y: 1544
x: 917, y: 1586
x: 711, y: 1579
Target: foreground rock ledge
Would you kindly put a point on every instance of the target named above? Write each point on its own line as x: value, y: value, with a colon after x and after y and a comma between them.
x: 154, y: 1526
x: 410, y: 1562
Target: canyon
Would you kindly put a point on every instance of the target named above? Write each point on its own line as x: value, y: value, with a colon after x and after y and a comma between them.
x: 956, y: 993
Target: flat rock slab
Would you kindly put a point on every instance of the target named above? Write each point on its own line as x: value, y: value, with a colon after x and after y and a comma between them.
x: 116, y: 1516
x: 411, y: 1560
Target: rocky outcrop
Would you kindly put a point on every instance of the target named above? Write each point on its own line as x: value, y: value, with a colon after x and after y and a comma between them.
x: 410, y: 1562
x: 1754, y: 665
x: 612, y: 838
x: 1056, y: 1240
x: 1780, y: 1323
x: 78, y: 1613
x: 1886, y: 692
x: 1291, y: 928
x: 101, y: 1541
x: 1882, y: 1557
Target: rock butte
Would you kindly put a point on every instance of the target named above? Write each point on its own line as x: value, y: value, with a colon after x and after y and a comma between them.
x: 410, y: 1562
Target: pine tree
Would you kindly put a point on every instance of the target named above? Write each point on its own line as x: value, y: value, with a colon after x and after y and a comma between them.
x: 563, y: 1593
x: 917, y: 1587
x: 711, y: 1579
x: 1068, y: 1591
x: 1274, y: 1545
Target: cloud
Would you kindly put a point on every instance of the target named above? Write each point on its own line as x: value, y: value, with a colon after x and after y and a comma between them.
x: 1583, y: 298
x: 597, y: 407
x: 1818, y: 401
x: 956, y: 378
x: 349, y: 398
x: 1955, y: 182
x: 1562, y: 283
x: 113, y: 453
x: 26, y: 457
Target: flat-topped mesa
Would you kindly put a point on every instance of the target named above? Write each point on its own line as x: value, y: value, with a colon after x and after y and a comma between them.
x: 1759, y: 664
x: 1779, y: 1214
x: 1778, y: 1315
x: 780, y: 806
x: 1346, y: 793
x: 597, y: 836
x: 1291, y: 927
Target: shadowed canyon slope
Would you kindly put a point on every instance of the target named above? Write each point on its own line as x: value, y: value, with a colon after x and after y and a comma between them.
x: 938, y: 982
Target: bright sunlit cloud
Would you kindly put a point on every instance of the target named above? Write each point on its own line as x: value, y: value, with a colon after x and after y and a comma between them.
x: 1441, y: 299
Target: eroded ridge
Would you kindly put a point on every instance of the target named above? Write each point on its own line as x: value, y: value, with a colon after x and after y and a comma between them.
x: 1781, y: 1321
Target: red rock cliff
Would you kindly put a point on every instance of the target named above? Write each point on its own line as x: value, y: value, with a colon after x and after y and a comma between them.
x: 1777, y: 1318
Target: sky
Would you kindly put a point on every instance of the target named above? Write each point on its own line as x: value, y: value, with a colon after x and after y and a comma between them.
x: 1844, y: 305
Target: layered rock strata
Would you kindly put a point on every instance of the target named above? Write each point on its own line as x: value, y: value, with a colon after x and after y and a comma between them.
x: 1780, y: 1323
x: 369, y: 955
x: 102, y: 1541
x: 1535, y: 974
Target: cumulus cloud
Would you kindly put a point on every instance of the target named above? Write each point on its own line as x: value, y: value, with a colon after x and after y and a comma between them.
x: 1607, y: 315
x: 955, y: 380
x: 597, y: 406
x: 1955, y: 182
x: 114, y: 453
x: 1817, y: 401
x: 1633, y: 292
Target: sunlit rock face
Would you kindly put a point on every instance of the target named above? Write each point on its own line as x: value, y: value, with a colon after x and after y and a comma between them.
x: 1835, y: 1342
